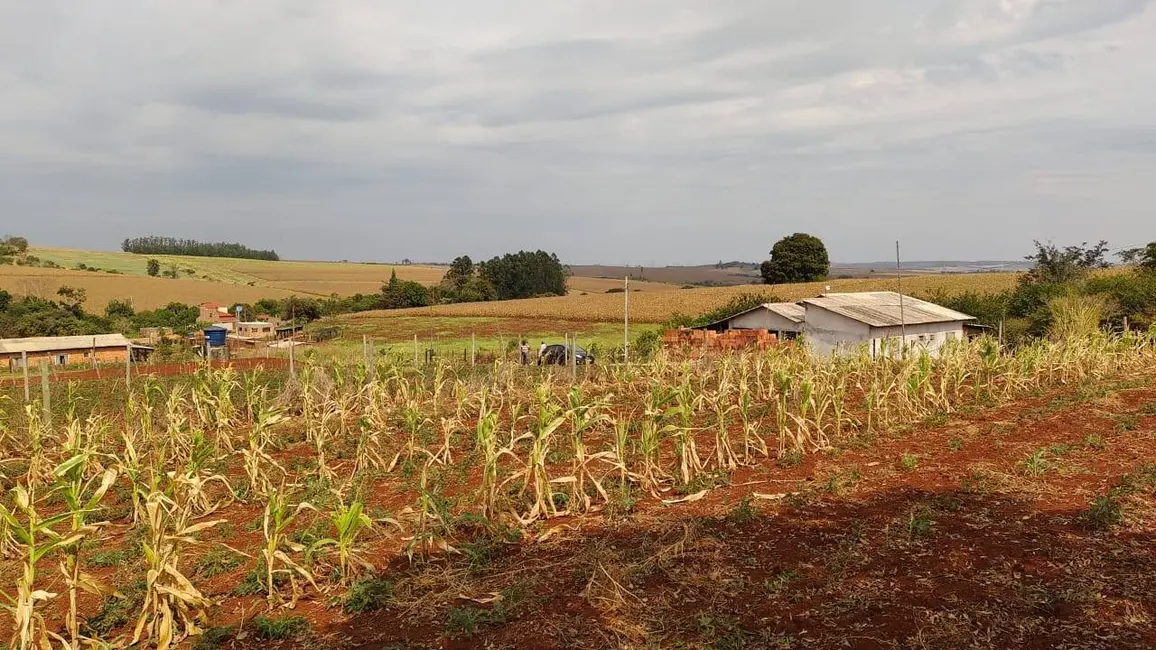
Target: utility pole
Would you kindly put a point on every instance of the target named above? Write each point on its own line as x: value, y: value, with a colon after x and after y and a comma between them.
x: 902, y: 314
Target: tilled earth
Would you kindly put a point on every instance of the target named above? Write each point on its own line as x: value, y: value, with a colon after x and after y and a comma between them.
x: 1025, y: 526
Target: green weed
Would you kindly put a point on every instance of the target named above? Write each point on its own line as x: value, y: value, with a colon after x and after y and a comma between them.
x: 370, y: 594
x: 272, y: 629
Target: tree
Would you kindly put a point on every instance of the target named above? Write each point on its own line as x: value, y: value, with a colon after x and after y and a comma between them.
x: 154, y: 267
x: 5, y: 300
x: 74, y: 298
x: 525, y: 275
x: 1054, y: 265
x: 401, y: 294
x: 1148, y: 258
x: 797, y: 258
x: 298, y: 309
x: 119, y: 309
x: 17, y: 245
x: 460, y: 271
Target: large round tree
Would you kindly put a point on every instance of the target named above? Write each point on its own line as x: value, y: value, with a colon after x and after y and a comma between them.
x: 797, y: 258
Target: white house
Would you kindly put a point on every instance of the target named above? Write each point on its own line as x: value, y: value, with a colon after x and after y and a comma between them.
x: 783, y: 319
x: 842, y: 323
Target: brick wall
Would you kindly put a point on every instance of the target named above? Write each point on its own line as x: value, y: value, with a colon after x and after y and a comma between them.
x: 695, y: 342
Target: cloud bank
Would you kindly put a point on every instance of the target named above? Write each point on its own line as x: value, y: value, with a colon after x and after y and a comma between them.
x: 647, y: 132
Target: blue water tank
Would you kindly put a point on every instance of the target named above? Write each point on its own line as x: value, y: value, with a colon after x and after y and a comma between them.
x: 215, y: 336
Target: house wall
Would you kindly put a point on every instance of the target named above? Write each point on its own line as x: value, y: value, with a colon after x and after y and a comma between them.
x: 925, y: 336
x: 259, y: 331
x: 828, y: 333
x: 71, y: 357
x: 763, y: 319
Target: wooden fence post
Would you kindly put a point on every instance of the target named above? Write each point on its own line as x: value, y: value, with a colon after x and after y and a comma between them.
x: 128, y: 365
x: 27, y: 388
x: 45, y: 392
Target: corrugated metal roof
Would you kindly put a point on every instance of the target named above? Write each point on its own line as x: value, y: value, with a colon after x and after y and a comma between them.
x: 52, y: 343
x: 792, y: 311
x: 882, y: 309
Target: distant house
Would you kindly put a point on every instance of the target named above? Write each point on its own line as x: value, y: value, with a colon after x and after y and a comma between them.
x: 217, y: 314
x: 255, y: 329
x: 783, y: 319
x: 842, y: 323
x: 70, y: 350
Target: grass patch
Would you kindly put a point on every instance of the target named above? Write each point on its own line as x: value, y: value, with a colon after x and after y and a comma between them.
x: 842, y: 482
x: 919, y: 522
x: 778, y: 583
x: 722, y: 631
x: 743, y: 512
x: 272, y: 629
x: 704, y: 481
x: 216, y: 562
x: 908, y: 461
x: 368, y: 595
x: 1127, y: 422
x: 621, y: 502
x: 213, y: 638
x: 116, y: 558
x: 792, y: 458
x: 114, y: 613
x: 1108, y: 510
x: 466, y: 621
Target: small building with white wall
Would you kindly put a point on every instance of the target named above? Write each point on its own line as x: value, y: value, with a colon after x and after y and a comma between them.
x: 845, y: 323
x: 783, y: 319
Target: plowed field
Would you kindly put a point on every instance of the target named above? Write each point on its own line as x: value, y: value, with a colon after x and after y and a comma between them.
x: 1030, y: 525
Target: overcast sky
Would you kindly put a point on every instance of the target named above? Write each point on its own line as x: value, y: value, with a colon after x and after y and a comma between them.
x: 615, y: 131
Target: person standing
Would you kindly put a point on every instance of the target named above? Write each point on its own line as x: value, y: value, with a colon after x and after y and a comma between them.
x: 524, y: 349
x: 541, y: 352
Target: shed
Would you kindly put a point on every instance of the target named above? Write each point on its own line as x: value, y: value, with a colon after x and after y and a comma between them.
x: 882, y: 321
x: 70, y: 350
x: 783, y: 319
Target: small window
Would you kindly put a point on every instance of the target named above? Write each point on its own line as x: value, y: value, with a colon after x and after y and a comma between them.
x: 61, y: 360
x: 951, y: 336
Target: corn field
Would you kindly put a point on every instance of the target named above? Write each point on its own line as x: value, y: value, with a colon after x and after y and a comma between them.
x: 340, y: 462
x: 657, y: 306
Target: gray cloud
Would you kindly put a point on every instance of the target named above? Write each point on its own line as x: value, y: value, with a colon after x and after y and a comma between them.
x: 654, y: 131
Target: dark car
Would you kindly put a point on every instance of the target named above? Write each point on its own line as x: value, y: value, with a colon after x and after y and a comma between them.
x: 558, y: 355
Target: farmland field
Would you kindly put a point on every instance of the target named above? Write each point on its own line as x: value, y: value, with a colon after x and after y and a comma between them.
x: 145, y: 292
x: 657, y: 306
x: 754, y: 501
x: 227, y: 279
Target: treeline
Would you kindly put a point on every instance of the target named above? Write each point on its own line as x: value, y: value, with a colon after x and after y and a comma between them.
x: 27, y: 316
x: 1063, y: 282
x: 153, y: 245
